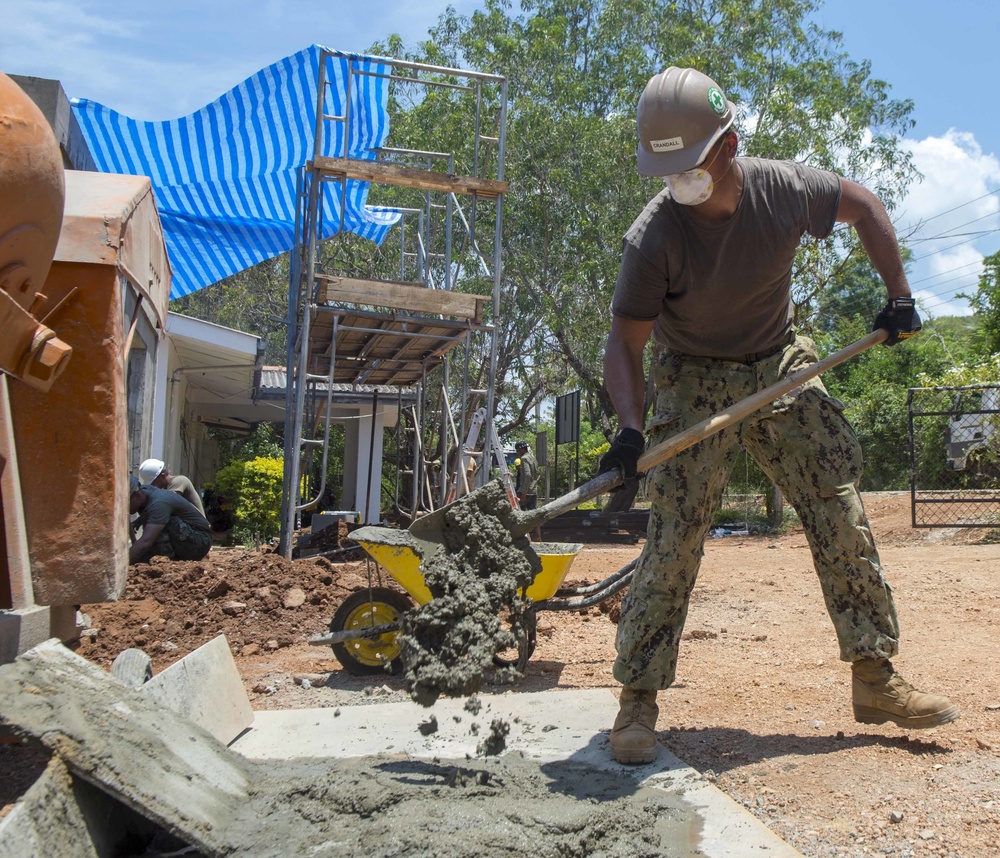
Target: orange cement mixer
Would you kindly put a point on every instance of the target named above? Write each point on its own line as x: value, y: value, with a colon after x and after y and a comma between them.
x: 32, y: 193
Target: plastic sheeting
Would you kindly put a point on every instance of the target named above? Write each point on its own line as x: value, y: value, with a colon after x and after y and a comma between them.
x: 224, y: 177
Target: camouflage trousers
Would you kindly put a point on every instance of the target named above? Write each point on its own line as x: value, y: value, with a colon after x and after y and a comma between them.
x: 805, y: 445
x: 179, y: 541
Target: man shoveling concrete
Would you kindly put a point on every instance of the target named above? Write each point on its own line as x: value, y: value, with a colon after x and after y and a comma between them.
x: 706, y: 269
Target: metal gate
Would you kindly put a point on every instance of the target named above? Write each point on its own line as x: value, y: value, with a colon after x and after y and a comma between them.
x: 955, y: 456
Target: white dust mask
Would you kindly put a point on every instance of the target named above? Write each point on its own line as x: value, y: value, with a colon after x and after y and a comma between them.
x: 692, y: 187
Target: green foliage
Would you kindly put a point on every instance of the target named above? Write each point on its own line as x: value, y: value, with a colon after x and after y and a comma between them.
x: 874, y: 385
x: 575, y: 71
x: 252, y: 490
x: 265, y: 440
x: 986, y: 302
x: 254, y: 301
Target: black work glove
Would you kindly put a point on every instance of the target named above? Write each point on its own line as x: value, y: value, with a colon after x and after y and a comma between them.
x: 899, y: 317
x: 624, y: 454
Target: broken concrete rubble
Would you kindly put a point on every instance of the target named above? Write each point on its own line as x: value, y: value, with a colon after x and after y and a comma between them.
x: 122, y: 764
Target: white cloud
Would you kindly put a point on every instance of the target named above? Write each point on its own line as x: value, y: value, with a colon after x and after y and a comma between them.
x: 163, y: 60
x: 950, y: 219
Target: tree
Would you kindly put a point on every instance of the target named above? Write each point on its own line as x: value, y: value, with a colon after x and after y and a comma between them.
x: 254, y: 301
x: 575, y: 70
x: 986, y: 302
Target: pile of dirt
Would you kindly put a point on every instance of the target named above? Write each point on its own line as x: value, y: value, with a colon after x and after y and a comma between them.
x: 761, y: 706
x: 258, y: 600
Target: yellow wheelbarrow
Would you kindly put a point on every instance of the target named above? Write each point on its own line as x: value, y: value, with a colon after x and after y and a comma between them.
x: 364, y: 630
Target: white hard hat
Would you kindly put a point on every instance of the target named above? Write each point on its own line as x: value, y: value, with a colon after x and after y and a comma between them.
x: 150, y: 470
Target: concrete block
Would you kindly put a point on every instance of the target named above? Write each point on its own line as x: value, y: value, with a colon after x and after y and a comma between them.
x: 324, y: 519
x: 21, y: 629
x: 64, y: 622
x: 205, y: 688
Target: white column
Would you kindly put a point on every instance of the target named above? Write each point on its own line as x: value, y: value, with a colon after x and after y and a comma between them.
x: 365, y: 449
x: 348, y: 493
x: 162, y: 405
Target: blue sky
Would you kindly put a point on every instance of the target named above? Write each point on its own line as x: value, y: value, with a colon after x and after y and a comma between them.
x: 162, y: 60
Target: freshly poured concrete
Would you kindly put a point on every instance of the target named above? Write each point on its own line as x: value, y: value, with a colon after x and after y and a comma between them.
x: 563, y: 732
x: 367, y: 780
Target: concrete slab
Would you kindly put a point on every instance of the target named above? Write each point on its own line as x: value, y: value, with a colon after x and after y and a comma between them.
x: 126, y: 745
x: 550, y: 727
x: 205, y: 688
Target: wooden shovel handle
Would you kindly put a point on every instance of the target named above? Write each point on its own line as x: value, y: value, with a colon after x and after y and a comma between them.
x: 528, y: 520
x: 745, y: 407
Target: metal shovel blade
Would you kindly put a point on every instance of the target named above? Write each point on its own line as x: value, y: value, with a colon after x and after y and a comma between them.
x: 429, y: 531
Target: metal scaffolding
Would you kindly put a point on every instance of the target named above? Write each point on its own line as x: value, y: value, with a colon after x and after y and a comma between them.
x: 398, y: 324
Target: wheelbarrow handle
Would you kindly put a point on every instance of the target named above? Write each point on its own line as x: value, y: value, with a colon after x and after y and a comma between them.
x: 527, y: 520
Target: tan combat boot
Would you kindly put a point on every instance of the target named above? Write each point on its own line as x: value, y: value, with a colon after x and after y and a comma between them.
x: 633, y: 738
x: 880, y: 694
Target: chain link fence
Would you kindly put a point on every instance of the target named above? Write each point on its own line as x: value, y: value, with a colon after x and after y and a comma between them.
x: 955, y: 456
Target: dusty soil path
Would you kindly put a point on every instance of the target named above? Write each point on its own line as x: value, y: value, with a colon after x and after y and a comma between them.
x: 762, y: 703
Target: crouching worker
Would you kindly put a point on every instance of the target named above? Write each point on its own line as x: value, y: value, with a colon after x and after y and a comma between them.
x: 170, y: 525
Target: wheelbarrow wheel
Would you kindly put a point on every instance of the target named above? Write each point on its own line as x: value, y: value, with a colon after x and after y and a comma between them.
x: 363, y: 609
x: 525, y: 645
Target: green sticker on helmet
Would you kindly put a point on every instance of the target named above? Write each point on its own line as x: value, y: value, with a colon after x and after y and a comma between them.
x: 716, y: 100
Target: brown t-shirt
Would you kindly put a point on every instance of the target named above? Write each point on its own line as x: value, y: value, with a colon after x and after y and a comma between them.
x: 185, y: 488
x: 723, y: 290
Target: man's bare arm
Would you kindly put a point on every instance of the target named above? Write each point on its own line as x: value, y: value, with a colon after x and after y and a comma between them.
x: 150, y: 533
x: 623, y: 372
x: 865, y: 212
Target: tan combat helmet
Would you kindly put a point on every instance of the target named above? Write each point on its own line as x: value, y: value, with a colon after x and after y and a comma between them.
x: 681, y: 113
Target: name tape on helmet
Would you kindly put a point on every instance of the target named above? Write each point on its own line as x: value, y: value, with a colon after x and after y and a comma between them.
x: 669, y: 144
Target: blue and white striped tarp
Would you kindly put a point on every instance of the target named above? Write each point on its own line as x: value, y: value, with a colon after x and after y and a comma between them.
x: 224, y: 177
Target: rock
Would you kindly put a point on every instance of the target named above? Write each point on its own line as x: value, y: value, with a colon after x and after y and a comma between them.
x: 250, y: 649
x: 429, y: 726
x: 234, y: 609
x: 308, y: 680
x: 89, y: 633
x: 895, y: 817
x: 983, y: 746
x: 294, y: 598
x: 219, y: 590
x: 271, y: 645
x: 927, y: 834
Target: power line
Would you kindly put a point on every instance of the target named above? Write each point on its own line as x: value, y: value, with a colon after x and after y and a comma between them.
x: 958, y: 226
x: 942, y: 273
x: 961, y: 205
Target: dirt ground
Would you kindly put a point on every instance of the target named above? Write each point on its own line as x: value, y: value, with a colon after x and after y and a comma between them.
x: 761, y: 705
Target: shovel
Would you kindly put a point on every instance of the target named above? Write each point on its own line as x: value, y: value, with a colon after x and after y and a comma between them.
x: 428, y: 531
